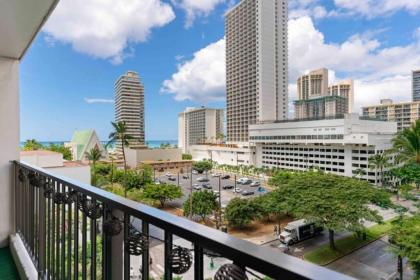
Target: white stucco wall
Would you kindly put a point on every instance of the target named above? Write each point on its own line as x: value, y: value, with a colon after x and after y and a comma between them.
x: 47, y: 160
x: 9, y: 124
x: 134, y: 157
x: 78, y: 173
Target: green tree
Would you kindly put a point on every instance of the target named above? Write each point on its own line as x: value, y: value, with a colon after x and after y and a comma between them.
x: 203, y: 204
x: 334, y: 202
x: 407, y: 144
x: 32, y: 145
x: 93, y: 156
x: 379, y: 162
x: 165, y: 145
x: 66, y: 151
x: 360, y: 172
x: 161, y: 193
x: 269, y: 206
x: 405, y: 234
x: 132, y: 180
x: 241, y: 212
x: 408, y: 174
x: 202, y: 166
x: 186, y: 157
x: 120, y: 135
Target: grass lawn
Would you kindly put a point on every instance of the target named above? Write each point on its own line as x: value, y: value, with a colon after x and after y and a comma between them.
x: 324, y: 255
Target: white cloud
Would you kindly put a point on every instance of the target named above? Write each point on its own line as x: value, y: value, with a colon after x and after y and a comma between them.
x: 202, y: 78
x: 378, y: 72
x: 98, y: 100
x: 374, y: 8
x: 106, y: 28
x: 196, y: 8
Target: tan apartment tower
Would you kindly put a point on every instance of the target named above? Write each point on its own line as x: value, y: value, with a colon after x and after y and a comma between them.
x: 256, y: 65
x: 317, y: 100
x: 129, y: 107
x: 404, y: 114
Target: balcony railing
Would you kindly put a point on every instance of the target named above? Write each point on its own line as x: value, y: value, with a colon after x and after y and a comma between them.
x: 77, y: 231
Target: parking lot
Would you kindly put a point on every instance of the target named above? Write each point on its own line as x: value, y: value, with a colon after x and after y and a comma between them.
x: 226, y: 194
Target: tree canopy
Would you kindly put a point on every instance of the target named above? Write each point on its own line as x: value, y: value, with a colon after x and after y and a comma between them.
x: 202, y: 166
x: 33, y: 145
x: 406, y: 236
x: 241, y: 212
x: 161, y: 193
x: 333, y: 202
x: 203, y: 204
x: 407, y: 144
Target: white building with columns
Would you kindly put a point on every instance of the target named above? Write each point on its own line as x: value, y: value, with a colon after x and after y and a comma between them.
x: 339, y: 146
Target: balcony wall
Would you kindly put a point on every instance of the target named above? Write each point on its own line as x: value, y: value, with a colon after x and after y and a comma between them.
x: 9, y: 141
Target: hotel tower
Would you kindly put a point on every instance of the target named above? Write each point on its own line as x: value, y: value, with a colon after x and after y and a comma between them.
x: 256, y: 65
x: 129, y: 106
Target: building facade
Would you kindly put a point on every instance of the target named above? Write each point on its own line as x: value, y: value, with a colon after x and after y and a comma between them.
x: 317, y: 100
x: 256, y: 65
x: 199, y: 126
x: 129, y: 107
x: 339, y: 146
x: 225, y: 154
x: 404, y: 114
x: 416, y: 85
x: 82, y: 142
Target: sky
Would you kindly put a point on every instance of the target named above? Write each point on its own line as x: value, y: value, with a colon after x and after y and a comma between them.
x: 178, y: 49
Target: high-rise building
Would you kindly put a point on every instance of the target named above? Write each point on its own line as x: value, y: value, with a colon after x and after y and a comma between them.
x: 416, y: 85
x: 129, y: 106
x: 404, y: 114
x: 256, y: 65
x: 317, y: 100
x: 199, y: 126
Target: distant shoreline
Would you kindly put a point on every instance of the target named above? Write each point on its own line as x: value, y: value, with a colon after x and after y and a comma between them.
x: 150, y: 143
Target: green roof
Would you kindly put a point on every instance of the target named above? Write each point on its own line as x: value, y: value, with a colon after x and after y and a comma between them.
x: 81, y: 138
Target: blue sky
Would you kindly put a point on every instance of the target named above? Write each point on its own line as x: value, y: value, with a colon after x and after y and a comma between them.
x: 177, y: 47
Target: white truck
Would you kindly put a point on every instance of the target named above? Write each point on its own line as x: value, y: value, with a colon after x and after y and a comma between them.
x: 297, y: 231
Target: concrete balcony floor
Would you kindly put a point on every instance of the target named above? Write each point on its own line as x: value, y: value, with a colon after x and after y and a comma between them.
x: 8, y: 269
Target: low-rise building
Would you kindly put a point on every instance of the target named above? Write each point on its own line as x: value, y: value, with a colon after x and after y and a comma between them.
x: 340, y: 146
x: 82, y: 142
x: 224, y: 154
x: 404, y: 114
x: 53, y: 161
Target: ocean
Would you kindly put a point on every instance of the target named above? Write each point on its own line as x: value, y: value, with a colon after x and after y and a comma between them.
x: 150, y: 143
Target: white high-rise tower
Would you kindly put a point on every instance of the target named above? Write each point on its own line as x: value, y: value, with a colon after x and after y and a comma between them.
x: 256, y: 65
x: 129, y: 106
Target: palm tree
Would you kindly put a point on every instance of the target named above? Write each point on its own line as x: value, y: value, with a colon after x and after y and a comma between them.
x: 93, y: 156
x: 360, y: 172
x: 31, y: 145
x: 407, y: 144
x: 120, y: 134
x: 379, y: 161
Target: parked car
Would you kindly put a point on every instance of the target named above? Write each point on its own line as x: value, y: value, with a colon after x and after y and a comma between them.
x: 194, y: 172
x: 216, y: 175
x: 225, y: 177
x: 157, y: 182
x: 172, y: 179
x: 237, y: 190
x: 228, y: 187
x: 207, y: 186
x: 202, y: 179
x: 197, y: 187
x: 217, y: 193
x: 168, y: 174
x: 247, y: 193
x: 244, y: 181
x: 255, y: 184
x: 186, y: 177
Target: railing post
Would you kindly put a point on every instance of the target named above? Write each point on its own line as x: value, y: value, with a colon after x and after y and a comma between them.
x: 42, y: 231
x: 116, y: 253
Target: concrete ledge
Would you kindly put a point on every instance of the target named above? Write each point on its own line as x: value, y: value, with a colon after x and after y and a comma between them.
x: 23, y: 261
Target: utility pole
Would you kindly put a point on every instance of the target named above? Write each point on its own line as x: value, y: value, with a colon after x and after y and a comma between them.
x: 191, y: 192
x: 178, y: 178
x: 220, y: 202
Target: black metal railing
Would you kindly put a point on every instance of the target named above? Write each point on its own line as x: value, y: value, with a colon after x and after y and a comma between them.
x: 77, y: 231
